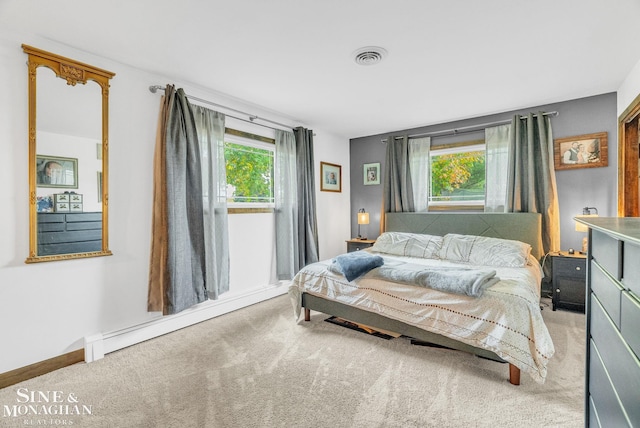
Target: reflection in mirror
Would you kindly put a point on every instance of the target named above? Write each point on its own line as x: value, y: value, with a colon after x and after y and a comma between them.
x: 68, y: 134
x: 68, y: 153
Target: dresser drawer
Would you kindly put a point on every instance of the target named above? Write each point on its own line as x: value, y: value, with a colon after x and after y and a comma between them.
x: 621, y: 365
x: 594, y: 420
x: 630, y: 323
x: 607, y: 251
x: 608, y: 292
x: 631, y: 271
x: 602, y: 395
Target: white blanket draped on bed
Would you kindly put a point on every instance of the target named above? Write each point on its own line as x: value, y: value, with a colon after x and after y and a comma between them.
x: 506, y: 319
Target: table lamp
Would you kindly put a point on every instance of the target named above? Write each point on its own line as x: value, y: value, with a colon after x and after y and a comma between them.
x: 363, y: 218
x: 586, y: 212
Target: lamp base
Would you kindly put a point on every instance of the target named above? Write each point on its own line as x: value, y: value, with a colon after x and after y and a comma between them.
x: 362, y: 238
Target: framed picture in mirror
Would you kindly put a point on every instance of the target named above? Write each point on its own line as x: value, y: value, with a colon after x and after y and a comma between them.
x: 54, y: 171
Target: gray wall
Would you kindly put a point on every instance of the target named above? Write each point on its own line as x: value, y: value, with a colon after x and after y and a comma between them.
x: 577, y: 188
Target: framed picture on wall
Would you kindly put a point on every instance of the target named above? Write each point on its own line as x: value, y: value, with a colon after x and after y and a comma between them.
x: 371, y: 173
x: 54, y: 171
x: 330, y: 177
x: 581, y: 151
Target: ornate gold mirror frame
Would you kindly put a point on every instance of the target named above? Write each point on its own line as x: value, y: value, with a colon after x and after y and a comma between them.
x: 73, y: 72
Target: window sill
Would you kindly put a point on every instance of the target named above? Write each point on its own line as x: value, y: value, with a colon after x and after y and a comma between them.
x: 478, y: 208
x: 250, y: 210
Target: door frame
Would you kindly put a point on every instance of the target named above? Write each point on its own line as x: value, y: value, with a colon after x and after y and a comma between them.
x: 628, y: 155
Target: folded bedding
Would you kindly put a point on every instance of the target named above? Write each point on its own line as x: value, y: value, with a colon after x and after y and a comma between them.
x: 354, y: 264
x: 459, y: 280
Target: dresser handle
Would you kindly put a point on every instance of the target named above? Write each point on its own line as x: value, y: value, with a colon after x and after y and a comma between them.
x: 577, y: 267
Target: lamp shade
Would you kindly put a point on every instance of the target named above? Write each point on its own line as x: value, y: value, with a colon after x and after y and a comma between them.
x: 363, y: 218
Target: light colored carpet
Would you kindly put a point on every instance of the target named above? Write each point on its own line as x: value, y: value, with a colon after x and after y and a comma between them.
x: 256, y: 367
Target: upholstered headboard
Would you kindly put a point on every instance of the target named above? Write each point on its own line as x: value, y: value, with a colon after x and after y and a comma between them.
x: 525, y: 227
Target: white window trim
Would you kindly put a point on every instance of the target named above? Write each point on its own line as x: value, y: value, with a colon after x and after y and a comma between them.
x: 435, y: 151
x: 243, y: 141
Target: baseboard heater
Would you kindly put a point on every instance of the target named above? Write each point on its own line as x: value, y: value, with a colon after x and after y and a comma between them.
x: 98, y: 345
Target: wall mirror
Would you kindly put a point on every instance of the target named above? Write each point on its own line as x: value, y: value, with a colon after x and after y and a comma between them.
x: 68, y: 158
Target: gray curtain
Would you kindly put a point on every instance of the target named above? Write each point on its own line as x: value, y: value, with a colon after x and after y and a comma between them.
x: 178, y: 265
x: 286, y: 202
x: 307, y: 222
x: 210, y: 126
x: 532, y: 186
x: 397, y: 192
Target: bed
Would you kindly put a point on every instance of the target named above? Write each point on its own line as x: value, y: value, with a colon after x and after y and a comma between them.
x: 503, y: 324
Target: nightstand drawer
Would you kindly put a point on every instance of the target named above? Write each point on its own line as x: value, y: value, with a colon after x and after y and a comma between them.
x: 569, y: 266
x: 569, y: 293
x: 359, y: 244
x: 356, y: 247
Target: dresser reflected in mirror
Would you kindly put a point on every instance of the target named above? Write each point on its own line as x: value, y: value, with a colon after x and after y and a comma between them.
x: 68, y: 158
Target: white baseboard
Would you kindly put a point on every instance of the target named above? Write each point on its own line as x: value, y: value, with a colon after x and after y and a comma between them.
x: 98, y: 345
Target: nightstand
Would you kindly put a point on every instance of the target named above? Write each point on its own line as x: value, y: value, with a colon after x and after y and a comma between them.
x: 569, y: 278
x: 356, y: 244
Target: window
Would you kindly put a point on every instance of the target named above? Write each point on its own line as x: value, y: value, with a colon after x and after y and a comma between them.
x: 457, y: 175
x: 249, y: 166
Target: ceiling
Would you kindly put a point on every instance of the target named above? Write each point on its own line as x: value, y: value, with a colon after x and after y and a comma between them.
x: 447, y: 60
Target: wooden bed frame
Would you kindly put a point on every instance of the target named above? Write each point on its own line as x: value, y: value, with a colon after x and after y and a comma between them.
x: 525, y: 227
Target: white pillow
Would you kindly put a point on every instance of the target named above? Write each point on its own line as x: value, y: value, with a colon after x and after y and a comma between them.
x: 482, y: 250
x: 409, y: 244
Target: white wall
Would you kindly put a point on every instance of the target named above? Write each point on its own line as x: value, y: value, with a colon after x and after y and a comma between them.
x: 629, y: 90
x: 46, y: 309
x: 333, y: 208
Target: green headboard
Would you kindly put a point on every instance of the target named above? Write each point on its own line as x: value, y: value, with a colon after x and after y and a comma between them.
x: 525, y: 227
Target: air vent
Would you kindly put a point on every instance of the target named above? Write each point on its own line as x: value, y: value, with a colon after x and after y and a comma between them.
x: 369, y: 55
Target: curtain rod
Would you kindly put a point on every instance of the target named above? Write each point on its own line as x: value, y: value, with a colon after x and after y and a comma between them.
x: 252, y: 117
x: 469, y: 128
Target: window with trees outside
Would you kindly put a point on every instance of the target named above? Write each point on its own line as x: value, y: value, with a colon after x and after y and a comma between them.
x: 250, y: 170
x: 457, y: 175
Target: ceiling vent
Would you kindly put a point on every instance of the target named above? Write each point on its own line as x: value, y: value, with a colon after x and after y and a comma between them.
x: 369, y: 55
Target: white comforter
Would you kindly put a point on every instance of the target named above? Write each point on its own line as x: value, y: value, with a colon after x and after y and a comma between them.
x: 506, y: 319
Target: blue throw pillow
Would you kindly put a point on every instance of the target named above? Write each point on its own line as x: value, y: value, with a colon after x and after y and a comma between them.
x: 357, y: 263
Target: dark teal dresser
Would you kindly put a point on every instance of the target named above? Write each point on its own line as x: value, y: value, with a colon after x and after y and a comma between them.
x: 613, y: 323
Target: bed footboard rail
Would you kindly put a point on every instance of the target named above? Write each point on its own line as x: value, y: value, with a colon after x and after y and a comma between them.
x: 363, y: 317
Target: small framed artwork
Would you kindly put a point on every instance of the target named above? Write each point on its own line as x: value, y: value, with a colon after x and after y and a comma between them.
x: 330, y: 177
x: 582, y: 151
x: 54, y: 171
x: 371, y: 173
